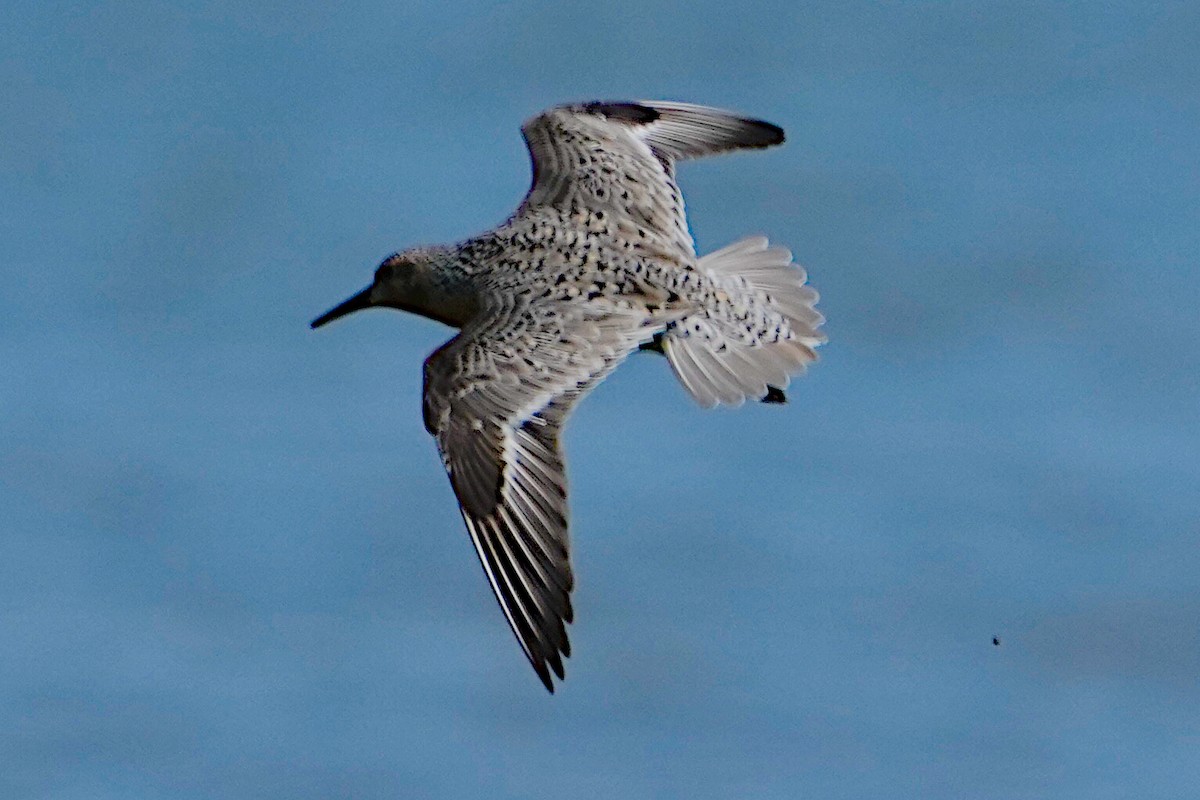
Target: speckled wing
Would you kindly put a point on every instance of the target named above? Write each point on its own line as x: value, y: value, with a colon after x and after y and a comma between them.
x: 496, y: 397
x: 618, y: 159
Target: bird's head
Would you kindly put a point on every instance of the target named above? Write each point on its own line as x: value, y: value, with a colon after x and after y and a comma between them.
x: 400, y: 282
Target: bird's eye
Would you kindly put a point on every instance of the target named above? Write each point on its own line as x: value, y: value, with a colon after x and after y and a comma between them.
x: 386, y: 271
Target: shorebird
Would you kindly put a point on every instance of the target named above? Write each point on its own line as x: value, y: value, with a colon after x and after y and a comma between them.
x: 596, y: 263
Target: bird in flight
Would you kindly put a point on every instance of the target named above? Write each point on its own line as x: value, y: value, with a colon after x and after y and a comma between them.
x: 597, y: 262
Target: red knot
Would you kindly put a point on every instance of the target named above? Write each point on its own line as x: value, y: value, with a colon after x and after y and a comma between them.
x: 597, y: 262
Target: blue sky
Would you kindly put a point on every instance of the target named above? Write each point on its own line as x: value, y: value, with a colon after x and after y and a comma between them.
x: 231, y: 565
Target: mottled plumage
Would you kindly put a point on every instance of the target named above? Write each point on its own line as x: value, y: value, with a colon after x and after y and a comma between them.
x: 596, y: 262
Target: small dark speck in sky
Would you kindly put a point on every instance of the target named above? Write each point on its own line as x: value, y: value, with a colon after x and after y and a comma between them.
x: 996, y: 641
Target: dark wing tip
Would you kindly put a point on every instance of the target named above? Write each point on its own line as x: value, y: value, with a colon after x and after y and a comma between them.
x: 544, y: 675
x: 623, y: 112
x: 556, y: 664
x: 760, y: 133
x: 771, y: 134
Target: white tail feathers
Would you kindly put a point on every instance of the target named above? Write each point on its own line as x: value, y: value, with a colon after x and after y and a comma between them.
x: 761, y: 330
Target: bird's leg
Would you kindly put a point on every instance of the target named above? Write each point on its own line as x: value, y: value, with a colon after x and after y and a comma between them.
x: 774, y: 395
x: 655, y: 345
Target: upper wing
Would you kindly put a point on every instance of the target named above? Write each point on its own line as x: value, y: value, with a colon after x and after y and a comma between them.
x: 496, y: 397
x: 618, y: 159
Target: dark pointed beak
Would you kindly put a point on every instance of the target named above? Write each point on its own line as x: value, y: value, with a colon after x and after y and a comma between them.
x: 357, y: 303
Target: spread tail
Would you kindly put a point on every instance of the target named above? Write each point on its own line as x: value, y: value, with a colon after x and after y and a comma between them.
x: 762, y: 329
